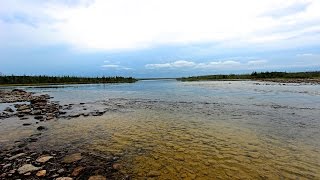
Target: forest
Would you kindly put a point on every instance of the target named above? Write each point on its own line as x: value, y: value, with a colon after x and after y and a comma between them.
x: 256, y: 75
x: 30, y: 80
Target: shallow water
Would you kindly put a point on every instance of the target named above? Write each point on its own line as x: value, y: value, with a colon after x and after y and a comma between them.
x: 193, y: 130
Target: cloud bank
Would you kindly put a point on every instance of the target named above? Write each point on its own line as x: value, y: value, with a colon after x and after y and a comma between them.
x: 226, y: 64
x: 120, y: 25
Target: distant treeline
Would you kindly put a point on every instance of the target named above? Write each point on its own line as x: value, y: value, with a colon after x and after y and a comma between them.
x: 62, y: 80
x: 256, y: 75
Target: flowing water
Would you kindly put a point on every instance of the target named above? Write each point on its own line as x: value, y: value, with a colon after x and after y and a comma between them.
x: 192, y: 130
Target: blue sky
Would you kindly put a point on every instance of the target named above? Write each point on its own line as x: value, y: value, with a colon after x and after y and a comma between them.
x: 152, y: 38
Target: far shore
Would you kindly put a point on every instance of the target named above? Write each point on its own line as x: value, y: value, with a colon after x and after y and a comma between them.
x: 67, y: 83
x: 276, y: 80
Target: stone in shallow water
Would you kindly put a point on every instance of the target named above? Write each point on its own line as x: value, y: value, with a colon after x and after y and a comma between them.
x: 8, y: 109
x: 77, y: 171
x: 64, y: 178
x: 153, y: 174
x: 98, y: 177
x: 41, y: 173
x: 72, y: 158
x: 27, y: 168
x: 16, y: 156
x: 43, y: 159
x: 41, y: 128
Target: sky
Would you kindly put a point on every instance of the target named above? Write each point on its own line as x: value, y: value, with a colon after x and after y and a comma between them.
x: 158, y: 38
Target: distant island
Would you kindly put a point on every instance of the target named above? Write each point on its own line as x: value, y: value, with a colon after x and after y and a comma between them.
x: 285, y: 77
x: 48, y: 80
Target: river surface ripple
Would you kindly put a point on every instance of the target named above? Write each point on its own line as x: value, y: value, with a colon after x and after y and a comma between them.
x: 191, y: 130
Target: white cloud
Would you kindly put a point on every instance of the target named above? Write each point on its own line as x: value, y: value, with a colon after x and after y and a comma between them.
x: 226, y: 64
x: 125, y: 24
x: 305, y: 55
x: 176, y: 64
x: 115, y: 66
x: 257, y: 62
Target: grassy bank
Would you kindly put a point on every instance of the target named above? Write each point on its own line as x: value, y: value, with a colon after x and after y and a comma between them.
x: 51, y: 80
x: 273, y: 76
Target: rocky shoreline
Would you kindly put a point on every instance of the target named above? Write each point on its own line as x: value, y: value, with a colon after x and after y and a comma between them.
x: 22, y: 162
x: 296, y: 81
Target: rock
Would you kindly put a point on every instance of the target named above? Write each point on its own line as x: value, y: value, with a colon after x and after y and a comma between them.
x: 49, y: 117
x: 98, y: 177
x: 72, y: 158
x: 26, y: 124
x: 16, y: 156
x: 37, y: 112
x: 24, y: 118
x: 27, y: 174
x: 3, y: 175
x: 38, y: 117
x: 27, y: 168
x: 74, y: 115
x: 8, y: 109
x: 18, y: 91
x: 77, y: 171
x: 44, y: 159
x: 7, y: 165
x: 60, y: 171
x: 153, y: 174
x: 64, y: 178
x: 117, y: 166
x: 12, y: 171
x: 23, y: 107
x: 41, y: 128
x: 41, y: 173
x: 26, y: 111
x: 20, y: 115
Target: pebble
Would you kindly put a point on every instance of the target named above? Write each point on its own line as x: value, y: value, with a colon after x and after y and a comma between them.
x: 41, y: 128
x: 117, y: 166
x: 43, y: 159
x: 60, y: 171
x: 27, y: 168
x: 16, y: 156
x: 77, y: 171
x: 98, y: 177
x: 153, y: 174
x: 8, y: 109
x: 7, y: 165
x: 72, y: 158
x: 41, y: 173
x: 64, y: 178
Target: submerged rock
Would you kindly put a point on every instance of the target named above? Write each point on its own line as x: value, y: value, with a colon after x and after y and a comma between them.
x: 8, y: 109
x: 98, y: 177
x: 16, y: 156
x: 153, y: 174
x: 72, y: 158
x: 27, y: 168
x: 41, y: 173
x: 43, y: 159
x: 41, y: 128
x: 77, y: 171
x: 64, y: 178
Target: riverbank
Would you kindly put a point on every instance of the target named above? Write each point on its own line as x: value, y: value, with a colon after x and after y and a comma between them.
x: 21, y: 160
x: 280, y: 77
